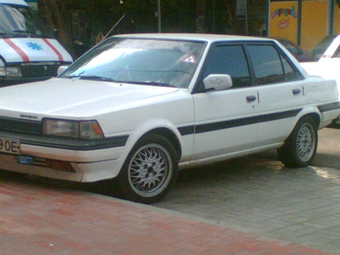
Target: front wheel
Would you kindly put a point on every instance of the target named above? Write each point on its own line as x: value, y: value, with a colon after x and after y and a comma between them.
x: 300, y: 147
x: 149, y: 170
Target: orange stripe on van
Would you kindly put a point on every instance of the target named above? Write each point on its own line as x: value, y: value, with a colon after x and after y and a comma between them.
x: 22, y: 54
x: 60, y: 57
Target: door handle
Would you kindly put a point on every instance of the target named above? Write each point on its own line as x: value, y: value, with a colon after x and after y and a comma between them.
x: 296, y: 91
x: 251, y: 98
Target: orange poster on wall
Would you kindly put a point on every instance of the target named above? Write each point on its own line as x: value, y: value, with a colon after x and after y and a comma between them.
x: 283, y: 19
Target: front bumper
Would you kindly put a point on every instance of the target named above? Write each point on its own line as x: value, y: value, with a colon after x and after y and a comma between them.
x: 65, y: 159
x: 81, y: 172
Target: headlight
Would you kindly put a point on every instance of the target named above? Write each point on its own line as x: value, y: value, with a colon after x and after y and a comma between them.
x: 74, y: 129
x: 13, y: 71
x: 2, y: 68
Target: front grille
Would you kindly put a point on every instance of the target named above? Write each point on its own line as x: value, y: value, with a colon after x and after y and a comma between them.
x: 21, y: 126
x: 40, y: 69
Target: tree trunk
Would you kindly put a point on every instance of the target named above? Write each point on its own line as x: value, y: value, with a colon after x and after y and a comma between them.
x: 50, y: 11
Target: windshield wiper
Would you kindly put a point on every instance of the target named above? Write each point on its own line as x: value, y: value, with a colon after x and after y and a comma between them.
x: 154, y: 83
x: 90, y: 77
x: 8, y: 35
x: 30, y: 33
x: 160, y: 84
x: 101, y: 78
x: 150, y: 83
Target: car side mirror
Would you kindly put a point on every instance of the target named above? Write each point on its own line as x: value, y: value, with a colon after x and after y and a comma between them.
x: 218, y: 82
x: 61, y: 69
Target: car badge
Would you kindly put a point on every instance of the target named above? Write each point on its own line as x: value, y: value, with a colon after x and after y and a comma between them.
x: 31, y: 117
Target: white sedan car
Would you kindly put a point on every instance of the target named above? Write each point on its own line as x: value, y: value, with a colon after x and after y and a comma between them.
x: 136, y: 108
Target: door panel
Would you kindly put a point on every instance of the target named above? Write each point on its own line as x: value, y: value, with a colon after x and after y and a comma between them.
x: 224, y: 119
x: 224, y: 122
x: 278, y: 107
x: 280, y: 92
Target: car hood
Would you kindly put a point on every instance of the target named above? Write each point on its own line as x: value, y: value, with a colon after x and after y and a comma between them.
x: 73, y: 98
x: 15, y: 50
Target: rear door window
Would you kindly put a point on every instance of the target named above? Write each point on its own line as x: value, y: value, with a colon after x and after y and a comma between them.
x: 270, y: 66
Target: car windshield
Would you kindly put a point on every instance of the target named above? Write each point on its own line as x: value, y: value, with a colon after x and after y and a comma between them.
x: 140, y: 61
x: 21, y: 21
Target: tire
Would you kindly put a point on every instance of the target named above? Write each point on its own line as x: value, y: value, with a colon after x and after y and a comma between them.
x: 149, y: 171
x: 334, y: 123
x: 300, y: 147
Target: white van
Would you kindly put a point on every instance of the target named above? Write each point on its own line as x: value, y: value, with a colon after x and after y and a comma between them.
x: 28, y: 50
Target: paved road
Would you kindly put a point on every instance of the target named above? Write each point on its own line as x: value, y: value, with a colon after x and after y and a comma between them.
x: 249, y: 198
x: 259, y: 195
x: 37, y: 218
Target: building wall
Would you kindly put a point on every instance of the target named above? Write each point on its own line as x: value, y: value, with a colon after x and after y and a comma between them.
x: 314, y: 22
x: 305, y: 22
x: 283, y: 19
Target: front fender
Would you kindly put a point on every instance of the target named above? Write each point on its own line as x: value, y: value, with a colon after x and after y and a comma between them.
x: 154, y: 125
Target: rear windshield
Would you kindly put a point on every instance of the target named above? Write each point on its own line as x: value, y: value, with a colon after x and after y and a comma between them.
x: 21, y: 21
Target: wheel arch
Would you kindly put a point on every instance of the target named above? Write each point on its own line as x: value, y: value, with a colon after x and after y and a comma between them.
x: 300, y: 146
x: 315, y: 117
x: 151, y: 168
x: 170, y: 136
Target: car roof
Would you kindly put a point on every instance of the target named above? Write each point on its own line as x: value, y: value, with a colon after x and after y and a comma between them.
x: 195, y: 37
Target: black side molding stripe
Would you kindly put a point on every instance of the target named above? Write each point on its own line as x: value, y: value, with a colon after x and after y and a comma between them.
x: 329, y: 107
x: 188, y: 130
x: 225, y: 124
x: 202, y: 128
x: 67, y: 143
x: 78, y: 145
x: 279, y: 115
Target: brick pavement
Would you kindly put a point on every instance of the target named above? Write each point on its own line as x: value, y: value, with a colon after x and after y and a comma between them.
x: 38, y: 219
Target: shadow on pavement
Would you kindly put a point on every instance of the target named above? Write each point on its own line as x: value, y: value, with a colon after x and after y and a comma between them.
x: 245, y: 167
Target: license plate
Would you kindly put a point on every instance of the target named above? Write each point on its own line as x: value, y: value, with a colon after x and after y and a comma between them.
x: 9, y: 146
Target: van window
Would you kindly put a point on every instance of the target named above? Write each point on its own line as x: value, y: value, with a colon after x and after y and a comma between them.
x: 21, y: 21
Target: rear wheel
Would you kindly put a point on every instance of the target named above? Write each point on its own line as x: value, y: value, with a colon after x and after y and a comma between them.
x: 300, y: 147
x: 149, y: 170
x: 334, y: 122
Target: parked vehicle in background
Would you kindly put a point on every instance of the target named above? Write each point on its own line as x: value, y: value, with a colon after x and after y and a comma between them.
x: 300, y: 54
x: 139, y: 107
x: 327, y: 48
x: 28, y: 51
x: 327, y: 52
